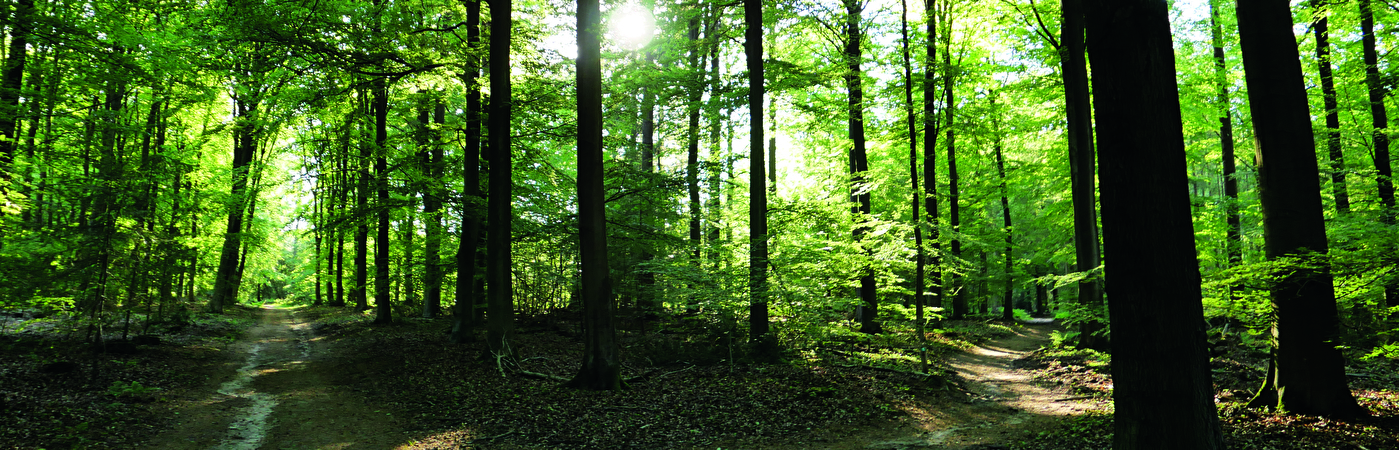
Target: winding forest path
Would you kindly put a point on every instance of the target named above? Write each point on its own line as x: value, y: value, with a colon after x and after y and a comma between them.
x: 1006, y: 401
x: 278, y: 391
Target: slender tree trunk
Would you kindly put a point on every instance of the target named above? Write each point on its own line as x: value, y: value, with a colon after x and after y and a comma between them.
x: 1164, y: 398
x: 432, y: 208
x: 601, y: 369
x: 918, y: 283
x: 758, y: 328
x: 464, y: 312
x: 1379, y: 119
x: 715, y: 134
x: 500, y: 331
x: 1328, y: 96
x: 1234, y: 232
x: 1007, y: 309
x: 954, y: 215
x: 930, y: 136
x: 362, y: 177
x: 859, y: 163
x: 1308, y: 371
x: 692, y: 164
x: 1081, y: 165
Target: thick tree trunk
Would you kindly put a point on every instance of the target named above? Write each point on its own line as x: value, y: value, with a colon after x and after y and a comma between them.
x: 601, y: 369
x: 1309, y: 371
x: 464, y: 312
x: 1379, y: 120
x: 500, y: 332
x: 758, y: 328
x: 1328, y: 97
x: 244, y: 145
x: 362, y: 176
x: 859, y: 162
x: 1164, y: 397
x: 11, y: 81
x: 1082, y: 164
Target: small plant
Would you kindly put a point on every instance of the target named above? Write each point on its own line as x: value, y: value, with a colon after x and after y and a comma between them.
x: 133, y: 389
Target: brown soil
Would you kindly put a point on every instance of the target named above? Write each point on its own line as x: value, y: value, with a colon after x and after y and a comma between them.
x: 277, y: 391
x: 1004, y: 402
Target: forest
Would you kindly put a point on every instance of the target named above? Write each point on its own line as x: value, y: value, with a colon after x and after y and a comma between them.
x: 698, y: 224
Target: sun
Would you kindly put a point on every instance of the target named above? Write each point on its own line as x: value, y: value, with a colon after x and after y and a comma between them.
x: 630, y: 26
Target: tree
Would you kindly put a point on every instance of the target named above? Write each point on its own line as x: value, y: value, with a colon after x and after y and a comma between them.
x: 1306, y: 372
x: 11, y: 81
x: 465, y: 312
x: 431, y: 158
x: 1379, y: 120
x: 918, y: 261
x: 380, y: 107
x: 1007, y: 305
x: 859, y: 160
x: 1163, y: 394
x: 930, y: 137
x: 1234, y: 233
x: 500, y: 297
x: 1328, y: 95
x: 954, y: 194
x: 757, y: 193
x: 601, y: 369
x: 1081, y: 164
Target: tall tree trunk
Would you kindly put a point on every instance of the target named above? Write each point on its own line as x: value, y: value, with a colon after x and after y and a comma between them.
x: 342, y: 189
x: 859, y: 163
x: 500, y: 332
x: 362, y: 177
x: 930, y: 137
x: 1380, y: 121
x: 913, y: 182
x: 1007, y: 308
x: 432, y: 209
x: 601, y: 369
x: 1164, y: 397
x: 758, y: 326
x: 954, y: 215
x: 1234, y: 232
x: 646, y: 300
x: 1307, y: 370
x: 244, y: 145
x: 692, y: 165
x: 1328, y: 96
x: 1081, y: 165
x: 715, y: 134
x: 464, y: 313
x: 11, y: 81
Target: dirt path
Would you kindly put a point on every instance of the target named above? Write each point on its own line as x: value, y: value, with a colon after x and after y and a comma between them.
x: 278, y: 392
x: 1005, y: 401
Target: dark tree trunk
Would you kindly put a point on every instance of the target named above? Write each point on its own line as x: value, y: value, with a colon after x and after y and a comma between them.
x: 1234, y: 232
x: 383, y: 313
x: 692, y: 164
x: 758, y: 327
x: 930, y: 136
x: 714, y: 204
x: 1380, y: 121
x: 244, y: 145
x: 954, y: 215
x: 342, y: 188
x: 1328, y: 96
x: 464, y: 312
x: 1007, y: 309
x: 859, y: 162
x: 918, y: 260
x: 601, y: 369
x: 500, y: 296
x: 1164, y: 397
x: 646, y: 278
x: 1308, y: 371
x: 362, y: 176
x: 1081, y: 164
x: 11, y: 81
x: 432, y: 209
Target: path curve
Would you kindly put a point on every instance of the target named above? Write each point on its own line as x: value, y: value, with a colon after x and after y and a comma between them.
x: 278, y: 391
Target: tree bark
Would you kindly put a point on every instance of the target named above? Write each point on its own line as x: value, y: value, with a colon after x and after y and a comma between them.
x: 383, y: 307
x: 859, y: 162
x: 1081, y: 164
x: 1379, y: 120
x: 432, y: 209
x: 758, y: 327
x: 500, y: 296
x: 692, y: 134
x: 1234, y: 231
x: 464, y: 312
x: 930, y: 136
x: 601, y: 368
x: 954, y: 216
x: 244, y: 145
x: 11, y: 81
x: 918, y: 260
x: 1328, y: 96
x: 1163, y: 395
x: 1308, y: 371
x: 1007, y: 308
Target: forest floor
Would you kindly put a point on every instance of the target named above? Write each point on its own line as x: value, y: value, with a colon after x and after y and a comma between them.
x: 322, y: 378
